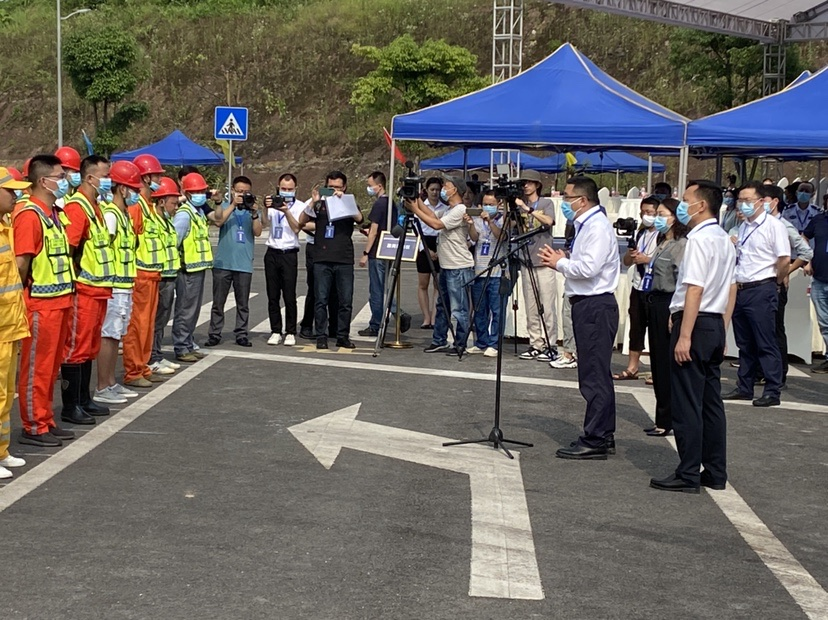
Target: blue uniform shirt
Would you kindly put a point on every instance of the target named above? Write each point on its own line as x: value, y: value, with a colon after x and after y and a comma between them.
x: 231, y: 253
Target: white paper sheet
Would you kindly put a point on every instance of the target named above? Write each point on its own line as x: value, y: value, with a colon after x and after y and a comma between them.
x: 341, y: 208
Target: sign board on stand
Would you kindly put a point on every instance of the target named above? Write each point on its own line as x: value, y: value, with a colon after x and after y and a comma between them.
x: 388, y: 244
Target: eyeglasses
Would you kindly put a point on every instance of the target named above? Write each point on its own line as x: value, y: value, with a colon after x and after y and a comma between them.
x: 566, y: 197
x: 59, y: 177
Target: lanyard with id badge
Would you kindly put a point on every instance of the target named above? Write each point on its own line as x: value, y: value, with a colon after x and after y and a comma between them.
x: 240, y: 236
x: 742, y: 242
x: 278, y: 228
x: 486, y: 246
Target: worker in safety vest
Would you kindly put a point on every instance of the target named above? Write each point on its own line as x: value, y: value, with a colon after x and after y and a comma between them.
x: 13, y: 324
x: 94, y: 261
x: 70, y: 161
x: 125, y: 185
x: 150, y: 262
x: 45, y: 265
x: 191, y: 226
x: 166, y: 204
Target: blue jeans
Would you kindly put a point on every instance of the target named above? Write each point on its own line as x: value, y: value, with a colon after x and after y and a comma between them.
x: 376, y: 291
x: 487, y: 312
x: 453, y: 288
x: 819, y: 295
x: 339, y: 276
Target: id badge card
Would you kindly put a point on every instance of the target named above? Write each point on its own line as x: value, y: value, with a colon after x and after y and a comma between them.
x: 277, y: 232
x: 484, y: 249
x: 738, y: 255
x: 329, y: 231
x: 240, y: 238
x: 647, y: 282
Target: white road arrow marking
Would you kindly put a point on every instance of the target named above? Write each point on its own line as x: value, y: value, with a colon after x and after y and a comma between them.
x: 503, y: 561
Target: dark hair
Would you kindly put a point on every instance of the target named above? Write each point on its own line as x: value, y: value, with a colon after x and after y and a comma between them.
x: 432, y: 180
x: 287, y: 177
x: 773, y: 191
x: 805, y: 183
x: 663, y: 185
x: 40, y: 166
x: 242, y: 179
x: 482, y: 195
x: 731, y: 178
x: 185, y: 170
x: 711, y: 193
x: 651, y: 200
x: 586, y: 186
x: 378, y: 177
x: 767, y: 179
x: 754, y: 185
x: 679, y: 230
x: 90, y: 162
x: 336, y: 175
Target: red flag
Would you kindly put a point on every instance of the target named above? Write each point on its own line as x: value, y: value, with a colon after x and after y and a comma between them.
x: 398, y: 154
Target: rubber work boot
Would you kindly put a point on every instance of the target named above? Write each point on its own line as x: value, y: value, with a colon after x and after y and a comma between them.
x: 86, y: 403
x: 70, y: 375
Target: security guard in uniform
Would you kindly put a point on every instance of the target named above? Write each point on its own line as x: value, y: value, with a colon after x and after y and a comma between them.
x: 95, y: 267
x: 45, y: 265
x: 191, y: 226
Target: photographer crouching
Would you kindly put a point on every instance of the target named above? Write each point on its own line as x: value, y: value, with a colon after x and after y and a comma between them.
x: 238, y: 223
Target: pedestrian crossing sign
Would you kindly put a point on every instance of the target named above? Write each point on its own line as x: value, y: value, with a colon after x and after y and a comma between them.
x: 230, y: 123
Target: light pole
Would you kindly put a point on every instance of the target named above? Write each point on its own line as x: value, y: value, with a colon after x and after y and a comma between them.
x: 60, y: 69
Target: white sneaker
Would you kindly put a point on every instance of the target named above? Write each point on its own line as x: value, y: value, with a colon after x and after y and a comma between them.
x: 490, y: 352
x: 290, y: 340
x: 108, y: 396
x: 123, y: 391
x: 564, y: 362
x: 473, y: 350
x: 160, y: 369
x: 274, y: 339
x: 12, y: 461
x: 5, y: 473
x: 169, y: 364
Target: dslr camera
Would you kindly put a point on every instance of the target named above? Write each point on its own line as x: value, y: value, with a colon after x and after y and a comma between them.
x: 626, y: 227
x: 248, y: 201
x: 411, y: 183
x: 506, y: 188
x: 277, y: 201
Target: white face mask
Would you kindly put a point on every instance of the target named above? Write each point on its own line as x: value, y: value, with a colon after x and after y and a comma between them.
x: 648, y: 220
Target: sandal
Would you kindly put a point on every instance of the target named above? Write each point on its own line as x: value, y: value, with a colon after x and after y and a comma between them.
x: 427, y: 326
x: 626, y: 375
x: 648, y: 381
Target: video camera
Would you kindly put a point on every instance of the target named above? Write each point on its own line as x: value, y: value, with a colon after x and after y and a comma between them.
x: 506, y: 188
x: 626, y: 227
x: 411, y: 184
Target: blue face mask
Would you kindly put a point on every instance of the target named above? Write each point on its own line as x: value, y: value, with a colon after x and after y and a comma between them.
x: 62, y: 188
x: 803, y: 197
x: 661, y: 224
x: 371, y: 191
x: 728, y: 200
x: 568, y: 211
x: 661, y: 197
x: 288, y: 196
x: 131, y: 198
x: 747, y: 209
x: 109, y: 197
x: 198, y: 200
x: 767, y: 207
x: 682, y: 213
x: 444, y: 195
x: 155, y: 186
x: 490, y: 209
x: 104, y: 186
x: 74, y: 179
x: 18, y: 193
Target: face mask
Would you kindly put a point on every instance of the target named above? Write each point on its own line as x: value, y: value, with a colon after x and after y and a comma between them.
x: 198, y: 200
x: 109, y: 197
x: 747, y: 209
x: 803, y: 197
x: 490, y: 209
x: 131, y: 198
x: 285, y: 194
x: 661, y: 224
x: 648, y: 220
x: 660, y: 197
x: 568, y: 211
x: 62, y: 188
x: 74, y: 179
x: 18, y: 193
x: 728, y: 200
x: 104, y: 185
x: 682, y: 213
x: 371, y: 191
x: 767, y: 206
x: 154, y: 186
x: 444, y: 195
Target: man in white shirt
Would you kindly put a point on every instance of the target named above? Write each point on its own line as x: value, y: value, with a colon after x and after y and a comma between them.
x: 591, y: 271
x: 281, y: 259
x: 763, y: 256
x: 802, y: 211
x: 700, y: 312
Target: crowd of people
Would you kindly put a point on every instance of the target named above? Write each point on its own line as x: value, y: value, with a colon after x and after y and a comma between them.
x: 100, y: 256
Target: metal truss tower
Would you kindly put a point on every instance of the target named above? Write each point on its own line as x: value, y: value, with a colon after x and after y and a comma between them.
x: 773, y: 73
x: 507, y: 39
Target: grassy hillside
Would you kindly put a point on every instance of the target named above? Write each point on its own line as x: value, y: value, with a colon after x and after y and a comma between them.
x: 289, y: 61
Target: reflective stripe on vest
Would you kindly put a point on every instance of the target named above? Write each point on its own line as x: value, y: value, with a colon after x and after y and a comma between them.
x: 51, y: 270
x: 150, y: 253
x: 197, y: 254
x: 97, y: 261
x: 9, y: 278
x: 172, y: 262
x: 124, y: 247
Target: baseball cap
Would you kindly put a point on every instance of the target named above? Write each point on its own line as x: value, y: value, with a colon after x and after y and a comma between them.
x: 7, y: 181
x: 530, y: 175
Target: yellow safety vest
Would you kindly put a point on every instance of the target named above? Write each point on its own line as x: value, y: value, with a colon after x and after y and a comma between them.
x: 97, y: 261
x: 197, y: 255
x: 13, y: 323
x: 124, y: 247
x: 51, y: 269
x: 150, y: 253
x: 172, y: 262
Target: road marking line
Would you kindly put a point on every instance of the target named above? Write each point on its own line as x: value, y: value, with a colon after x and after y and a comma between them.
x: 38, y: 475
x: 795, y: 372
x: 803, y: 588
x: 204, y: 312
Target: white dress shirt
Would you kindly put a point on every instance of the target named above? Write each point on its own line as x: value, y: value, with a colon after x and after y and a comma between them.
x: 709, y: 262
x: 593, y: 267
x: 759, y: 245
x: 800, y: 218
x: 278, y: 219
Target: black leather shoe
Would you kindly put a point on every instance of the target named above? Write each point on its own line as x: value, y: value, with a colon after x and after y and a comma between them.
x: 371, y: 333
x: 737, y: 395
x: 766, y: 401
x: 213, y: 341
x: 707, y: 481
x: 93, y: 408
x: 673, y: 483
x: 306, y: 334
x: 244, y: 342
x: 76, y: 415
x: 660, y: 432
x: 321, y: 343
x: 611, y: 444
x: 345, y: 343
x: 582, y: 453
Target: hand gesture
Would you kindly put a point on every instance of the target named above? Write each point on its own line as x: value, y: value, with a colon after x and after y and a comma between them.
x: 315, y: 193
x: 467, y: 219
x: 682, y: 352
x: 268, y: 202
x: 519, y: 202
x: 550, y: 257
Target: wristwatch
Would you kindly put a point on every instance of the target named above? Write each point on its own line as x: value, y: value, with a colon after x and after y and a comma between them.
x: 364, y: 253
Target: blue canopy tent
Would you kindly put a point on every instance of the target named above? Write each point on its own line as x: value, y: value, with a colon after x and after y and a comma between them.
x: 620, y: 161
x: 177, y: 150
x: 476, y: 159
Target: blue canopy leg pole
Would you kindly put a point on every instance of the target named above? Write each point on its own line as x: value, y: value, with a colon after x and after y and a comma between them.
x: 465, y: 162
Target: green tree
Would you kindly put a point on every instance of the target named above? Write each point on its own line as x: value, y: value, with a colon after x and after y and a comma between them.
x: 411, y: 76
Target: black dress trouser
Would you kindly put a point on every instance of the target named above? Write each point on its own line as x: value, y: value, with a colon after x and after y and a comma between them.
x: 658, y: 310
x: 281, y: 270
x: 699, y: 422
x: 309, y: 315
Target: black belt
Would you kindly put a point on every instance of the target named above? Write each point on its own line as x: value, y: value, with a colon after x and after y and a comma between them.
x: 290, y: 251
x: 676, y: 316
x: 655, y: 296
x: 743, y: 286
x: 576, y: 298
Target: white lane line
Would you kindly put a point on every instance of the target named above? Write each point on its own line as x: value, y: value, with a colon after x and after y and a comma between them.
x: 360, y: 321
x: 795, y: 372
x: 460, y: 374
x: 204, y: 312
x: 264, y: 326
x: 803, y: 588
x: 38, y: 475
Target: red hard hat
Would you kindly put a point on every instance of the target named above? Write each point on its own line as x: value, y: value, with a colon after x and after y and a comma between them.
x: 26, y: 167
x: 125, y: 173
x: 194, y: 182
x: 15, y: 173
x: 148, y: 164
x: 168, y: 188
x: 69, y: 158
